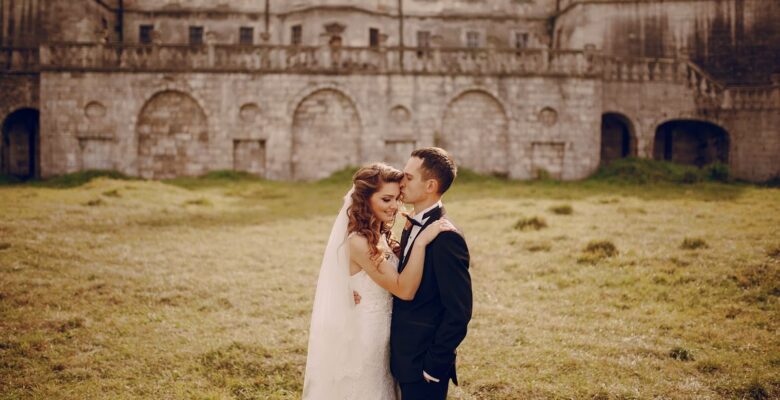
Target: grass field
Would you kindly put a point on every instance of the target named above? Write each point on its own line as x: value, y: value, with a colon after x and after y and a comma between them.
x: 202, y: 288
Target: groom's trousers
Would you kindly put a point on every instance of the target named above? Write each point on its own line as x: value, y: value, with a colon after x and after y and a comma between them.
x: 423, y: 390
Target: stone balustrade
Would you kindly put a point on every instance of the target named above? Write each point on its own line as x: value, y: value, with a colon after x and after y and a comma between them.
x: 709, y: 92
x: 752, y: 98
x: 386, y: 60
x: 19, y: 59
x: 302, y: 59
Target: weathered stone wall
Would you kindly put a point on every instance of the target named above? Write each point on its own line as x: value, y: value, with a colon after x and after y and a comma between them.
x: 18, y: 91
x: 738, y: 41
x: 173, y: 137
x: 754, y: 135
x: 309, y: 126
x: 755, y: 138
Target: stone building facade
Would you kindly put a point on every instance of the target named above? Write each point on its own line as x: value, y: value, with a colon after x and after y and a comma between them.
x: 298, y: 89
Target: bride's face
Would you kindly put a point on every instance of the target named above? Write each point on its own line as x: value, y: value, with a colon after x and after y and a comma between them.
x: 384, y: 203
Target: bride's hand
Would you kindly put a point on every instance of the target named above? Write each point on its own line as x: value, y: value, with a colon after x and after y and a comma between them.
x: 378, y: 258
x: 433, y: 230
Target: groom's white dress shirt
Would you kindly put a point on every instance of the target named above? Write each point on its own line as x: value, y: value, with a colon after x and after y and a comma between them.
x: 413, y: 235
x: 416, y: 229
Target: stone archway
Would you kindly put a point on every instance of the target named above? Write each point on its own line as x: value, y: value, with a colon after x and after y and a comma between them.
x: 475, y: 130
x: 691, y: 142
x: 20, y: 144
x: 617, y: 137
x: 173, y: 137
x: 326, y: 135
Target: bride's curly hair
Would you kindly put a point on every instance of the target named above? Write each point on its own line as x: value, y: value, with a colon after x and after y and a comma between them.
x: 367, y: 181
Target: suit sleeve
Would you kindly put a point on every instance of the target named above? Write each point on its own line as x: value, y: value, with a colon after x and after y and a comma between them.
x: 451, y: 266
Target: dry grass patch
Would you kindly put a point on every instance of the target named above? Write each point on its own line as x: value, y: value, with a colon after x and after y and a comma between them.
x: 73, y: 323
x: 681, y: 354
x: 598, y: 250
x: 774, y: 252
x: 534, y: 247
x: 530, y: 224
x: 564, y: 209
x: 95, y: 202
x: 708, y: 366
x: 693, y: 244
x: 112, y: 193
x: 199, y: 202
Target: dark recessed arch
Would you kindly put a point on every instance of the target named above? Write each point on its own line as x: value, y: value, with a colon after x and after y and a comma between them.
x: 618, y: 138
x: 692, y: 142
x: 20, y: 144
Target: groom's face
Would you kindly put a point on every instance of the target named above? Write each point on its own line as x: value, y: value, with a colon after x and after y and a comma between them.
x: 413, y: 184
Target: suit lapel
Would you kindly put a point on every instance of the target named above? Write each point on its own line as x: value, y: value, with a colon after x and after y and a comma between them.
x: 435, y: 215
x: 404, y: 240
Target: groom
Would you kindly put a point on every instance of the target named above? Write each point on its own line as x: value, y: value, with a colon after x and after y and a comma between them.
x: 426, y: 331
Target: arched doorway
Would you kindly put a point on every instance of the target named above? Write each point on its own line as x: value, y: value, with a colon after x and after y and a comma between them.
x: 19, y: 150
x: 691, y: 142
x: 326, y: 135
x: 172, y: 137
x: 617, y: 138
x: 475, y: 130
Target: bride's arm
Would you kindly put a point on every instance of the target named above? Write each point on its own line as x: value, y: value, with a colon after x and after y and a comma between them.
x: 384, y: 273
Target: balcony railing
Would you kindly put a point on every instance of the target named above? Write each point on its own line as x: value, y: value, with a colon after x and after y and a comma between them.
x: 302, y: 59
x: 386, y: 60
x: 19, y: 59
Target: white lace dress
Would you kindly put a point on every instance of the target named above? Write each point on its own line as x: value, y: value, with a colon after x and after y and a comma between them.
x: 374, y: 380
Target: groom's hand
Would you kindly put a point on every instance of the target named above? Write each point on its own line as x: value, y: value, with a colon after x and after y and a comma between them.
x: 356, y: 296
x: 429, y: 378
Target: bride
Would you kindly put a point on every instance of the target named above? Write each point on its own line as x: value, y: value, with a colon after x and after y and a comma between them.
x: 349, y: 349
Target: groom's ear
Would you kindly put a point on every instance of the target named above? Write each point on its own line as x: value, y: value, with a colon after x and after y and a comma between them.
x: 432, y: 186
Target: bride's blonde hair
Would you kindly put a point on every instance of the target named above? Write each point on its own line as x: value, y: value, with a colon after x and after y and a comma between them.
x: 367, y: 181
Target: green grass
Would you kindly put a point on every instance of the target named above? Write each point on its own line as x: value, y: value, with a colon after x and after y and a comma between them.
x: 641, y: 171
x: 202, y: 288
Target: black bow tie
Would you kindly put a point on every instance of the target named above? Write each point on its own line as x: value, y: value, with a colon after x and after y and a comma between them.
x: 425, y: 216
x: 412, y: 220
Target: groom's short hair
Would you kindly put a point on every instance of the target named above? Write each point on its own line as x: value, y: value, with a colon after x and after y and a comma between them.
x: 437, y: 164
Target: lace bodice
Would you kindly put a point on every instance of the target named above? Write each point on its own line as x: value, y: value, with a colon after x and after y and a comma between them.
x: 373, y: 297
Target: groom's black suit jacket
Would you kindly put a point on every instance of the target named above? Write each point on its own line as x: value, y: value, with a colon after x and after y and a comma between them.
x: 426, y: 331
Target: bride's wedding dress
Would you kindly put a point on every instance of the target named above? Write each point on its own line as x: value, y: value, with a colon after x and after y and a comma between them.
x: 373, y: 338
x: 348, y: 355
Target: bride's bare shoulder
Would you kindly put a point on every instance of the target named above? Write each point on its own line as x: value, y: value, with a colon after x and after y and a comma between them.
x: 358, y: 242
x: 359, y: 250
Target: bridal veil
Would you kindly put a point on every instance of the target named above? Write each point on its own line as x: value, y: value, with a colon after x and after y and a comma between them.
x: 330, y: 361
